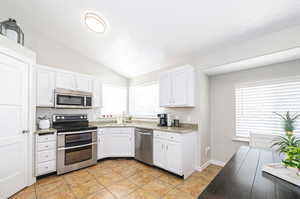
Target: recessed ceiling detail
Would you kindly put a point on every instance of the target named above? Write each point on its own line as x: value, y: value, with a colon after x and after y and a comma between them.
x: 94, y: 22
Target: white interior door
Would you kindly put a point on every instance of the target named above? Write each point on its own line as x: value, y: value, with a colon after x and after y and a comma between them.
x: 13, y: 120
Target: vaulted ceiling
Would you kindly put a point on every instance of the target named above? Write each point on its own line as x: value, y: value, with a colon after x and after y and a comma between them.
x: 145, y: 36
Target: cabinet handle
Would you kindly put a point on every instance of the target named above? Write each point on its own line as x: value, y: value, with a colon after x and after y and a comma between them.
x: 167, y: 147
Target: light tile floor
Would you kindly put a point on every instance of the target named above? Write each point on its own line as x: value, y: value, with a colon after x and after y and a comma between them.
x: 119, y: 178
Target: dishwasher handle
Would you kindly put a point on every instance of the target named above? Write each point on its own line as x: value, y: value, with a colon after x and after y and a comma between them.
x: 143, y: 133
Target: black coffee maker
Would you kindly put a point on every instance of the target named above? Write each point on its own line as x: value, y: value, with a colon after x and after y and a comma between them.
x: 162, y: 119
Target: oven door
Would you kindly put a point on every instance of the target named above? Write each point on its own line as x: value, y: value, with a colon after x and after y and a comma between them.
x: 69, y: 101
x: 76, y: 150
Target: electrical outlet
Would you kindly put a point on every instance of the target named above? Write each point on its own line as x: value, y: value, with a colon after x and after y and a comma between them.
x: 189, y: 118
x: 207, y: 149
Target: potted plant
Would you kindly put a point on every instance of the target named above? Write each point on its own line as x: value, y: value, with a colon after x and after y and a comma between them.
x: 292, y: 159
x: 289, y: 140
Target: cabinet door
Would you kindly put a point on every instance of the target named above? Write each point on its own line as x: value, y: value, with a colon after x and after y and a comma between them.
x: 174, y: 157
x: 159, y: 153
x: 45, y: 87
x: 97, y: 93
x: 180, y: 87
x: 121, y: 145
x: 165, y: 90
x: 65, y: 80
x: 104, y: 145
x: 83, y: 83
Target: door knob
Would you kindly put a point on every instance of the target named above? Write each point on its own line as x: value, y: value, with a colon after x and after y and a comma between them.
x: 25, y: 131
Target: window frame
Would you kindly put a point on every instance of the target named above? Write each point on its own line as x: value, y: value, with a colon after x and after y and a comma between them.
x: 144, y: 84
x: 289, y: 79
x: 114, y: 86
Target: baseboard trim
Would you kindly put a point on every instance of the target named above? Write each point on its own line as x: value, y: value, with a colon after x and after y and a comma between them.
x: 203, y: 166
x: 218, y: 163
x: 209, y: 162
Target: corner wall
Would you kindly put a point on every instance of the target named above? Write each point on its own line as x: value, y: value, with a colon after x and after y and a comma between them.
x: 198, y: 115
x: 222, y: 98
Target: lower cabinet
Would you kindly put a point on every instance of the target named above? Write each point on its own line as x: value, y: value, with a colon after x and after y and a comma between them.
x: 174, y: 152
x: 115, y: 142
x: 45, y: 153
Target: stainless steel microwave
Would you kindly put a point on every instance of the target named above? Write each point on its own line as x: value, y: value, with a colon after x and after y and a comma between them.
x: 65, y: 98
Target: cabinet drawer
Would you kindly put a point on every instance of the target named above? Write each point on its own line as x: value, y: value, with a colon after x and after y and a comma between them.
x: 45, y: 156
x: 46, y: 167
x: 100, y: 131
x: 46, y: 138
x: 120, y: 130
x: 168, y: 136
x: 46, y: 146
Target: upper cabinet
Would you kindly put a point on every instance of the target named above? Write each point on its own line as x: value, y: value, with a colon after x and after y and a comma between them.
x: 45, y: 87
x: 97, y: 91
x: 49, y: 78
x: 65, y: 80
x: 177, y: 87
x: 83, y: 83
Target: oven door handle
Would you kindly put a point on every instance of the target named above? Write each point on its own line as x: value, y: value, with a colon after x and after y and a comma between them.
x: 75, y: 147
x: 77, y: 132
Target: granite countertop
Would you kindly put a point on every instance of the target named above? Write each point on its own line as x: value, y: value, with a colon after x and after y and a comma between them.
x: 186, y: 128
x: 42, y: 131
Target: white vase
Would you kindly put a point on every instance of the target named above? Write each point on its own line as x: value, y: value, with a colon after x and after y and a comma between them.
x: 44, y: 124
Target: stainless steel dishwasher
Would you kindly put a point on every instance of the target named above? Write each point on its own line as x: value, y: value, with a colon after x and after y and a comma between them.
x: 144, y: 145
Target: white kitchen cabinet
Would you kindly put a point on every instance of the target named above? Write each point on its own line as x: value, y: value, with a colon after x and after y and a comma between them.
x: 115, y: 142
x: 65, y: 80
x: 45, y: 87
x: 165, y: 89
x: 158, y: 153
x: 97, y: 93
x: 121, y: 145
x: 48, y: 79
x: 104, y: 144
x: 74, y: 81
x: 83, y: 83
x: 177, y: 87
x: 45, y: 153
x: 175, y: 152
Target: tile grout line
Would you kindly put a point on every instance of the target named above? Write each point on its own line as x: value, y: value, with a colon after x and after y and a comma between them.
x: 69, y: 186
x: 105, y: 188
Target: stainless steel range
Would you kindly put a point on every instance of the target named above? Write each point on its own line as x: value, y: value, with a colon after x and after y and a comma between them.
x: 76, y: 142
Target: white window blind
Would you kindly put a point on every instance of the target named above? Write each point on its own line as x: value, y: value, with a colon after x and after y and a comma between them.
x: 256, y: 104
x: 114, y: 100
x: 144, y: 100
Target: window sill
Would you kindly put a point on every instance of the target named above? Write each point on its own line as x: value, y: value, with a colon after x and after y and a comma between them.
x: 238, y: 139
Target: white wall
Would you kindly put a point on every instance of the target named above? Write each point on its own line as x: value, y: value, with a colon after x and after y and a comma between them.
x: 223, y: 103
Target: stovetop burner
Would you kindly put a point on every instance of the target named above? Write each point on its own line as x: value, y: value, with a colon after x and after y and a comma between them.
x: 69, y: 123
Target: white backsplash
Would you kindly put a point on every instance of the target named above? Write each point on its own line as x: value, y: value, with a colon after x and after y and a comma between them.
x: 93, y: 114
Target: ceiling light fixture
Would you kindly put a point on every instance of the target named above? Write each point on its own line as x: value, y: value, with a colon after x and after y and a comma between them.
x: 94, y: 22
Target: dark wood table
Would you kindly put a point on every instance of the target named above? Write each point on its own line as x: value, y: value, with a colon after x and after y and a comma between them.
x: 242, y: 178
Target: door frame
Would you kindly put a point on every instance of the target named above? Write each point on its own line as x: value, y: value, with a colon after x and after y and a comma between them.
x: 20, y: 53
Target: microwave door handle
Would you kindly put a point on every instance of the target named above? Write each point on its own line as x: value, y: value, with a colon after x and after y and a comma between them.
x: 75, y: 147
